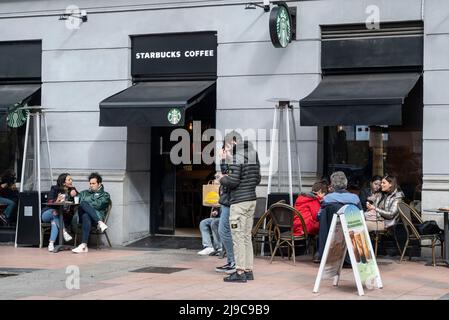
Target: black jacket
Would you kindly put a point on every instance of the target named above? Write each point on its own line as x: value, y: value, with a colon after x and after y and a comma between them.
x: 333, y: 202
x: 243, y: 175
x: 225, y: 195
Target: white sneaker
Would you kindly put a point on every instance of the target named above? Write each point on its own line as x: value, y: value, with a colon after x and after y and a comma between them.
x: 102, y: 226
x: 51, y: 247
x: 82, y: 248
x: 206, y: 251
x: 67, y: 236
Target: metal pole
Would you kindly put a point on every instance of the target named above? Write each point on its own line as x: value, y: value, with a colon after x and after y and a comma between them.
x: 273, y: 138
x: 27, y: 131
x: 48, y: 147
x: 274, y: 135
x: 281, y: 118
x: 38, y: 155
x: 22, y: 175
x: 289, y: 158
x: 37, y: 151
x: 36, y: 145
x: 297, y: 147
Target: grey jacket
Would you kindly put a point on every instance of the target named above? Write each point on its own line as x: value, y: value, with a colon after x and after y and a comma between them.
x: 387, y: 207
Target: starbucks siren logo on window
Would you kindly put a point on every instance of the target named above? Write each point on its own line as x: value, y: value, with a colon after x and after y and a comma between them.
x: 174, y: 116
x: 17, y: 116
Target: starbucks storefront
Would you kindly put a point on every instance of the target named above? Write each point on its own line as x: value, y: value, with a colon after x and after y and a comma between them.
x: 173, y: 88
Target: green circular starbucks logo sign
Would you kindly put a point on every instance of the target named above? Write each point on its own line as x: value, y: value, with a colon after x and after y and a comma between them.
x: 280, y: 26
x: 16, y: 116
x: 174, y: 116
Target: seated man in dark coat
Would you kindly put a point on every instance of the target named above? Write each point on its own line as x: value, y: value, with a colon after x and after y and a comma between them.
x: 332, y: 202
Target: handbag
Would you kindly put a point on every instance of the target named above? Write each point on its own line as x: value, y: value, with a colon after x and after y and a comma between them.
x: 372, y: 215
x: 429, y: 227
x: 211, y: 194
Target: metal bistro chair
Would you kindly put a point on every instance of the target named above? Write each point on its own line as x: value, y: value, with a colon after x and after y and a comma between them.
x: 282, y: 217
x: 260, y: 233
x: 413, y: 234
x: 410, y: 212
x: 378, y: 234
x: 45, y: 226
x: 94, y: 230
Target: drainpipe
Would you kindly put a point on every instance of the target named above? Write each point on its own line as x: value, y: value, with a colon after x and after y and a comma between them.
x: 422, y: 9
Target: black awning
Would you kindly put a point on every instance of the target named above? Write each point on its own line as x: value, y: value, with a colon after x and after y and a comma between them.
x: 149, y: 104
x: 10, y: 94
x: 361, y: 99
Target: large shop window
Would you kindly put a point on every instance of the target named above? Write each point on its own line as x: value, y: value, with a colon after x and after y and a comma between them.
x: 362, y: 151
x: 20, y: 82
x: 370, y: 103
x: 12, y: 97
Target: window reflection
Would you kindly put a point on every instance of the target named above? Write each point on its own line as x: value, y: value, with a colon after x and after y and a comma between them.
x: 364, y: 151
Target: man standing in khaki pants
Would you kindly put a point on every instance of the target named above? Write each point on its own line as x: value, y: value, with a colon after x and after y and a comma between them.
x: 242, y: 178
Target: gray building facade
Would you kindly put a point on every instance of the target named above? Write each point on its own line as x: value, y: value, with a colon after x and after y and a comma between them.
x: 83, y: 66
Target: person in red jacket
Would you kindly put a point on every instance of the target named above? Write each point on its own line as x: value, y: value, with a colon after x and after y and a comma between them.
x: 308, y: 204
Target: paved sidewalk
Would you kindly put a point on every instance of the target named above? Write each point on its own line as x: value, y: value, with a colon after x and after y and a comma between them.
x: 105, y: 274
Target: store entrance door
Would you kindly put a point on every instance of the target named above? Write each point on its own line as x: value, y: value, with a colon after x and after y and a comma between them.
x: 163, y: 183
x: 176, y: 190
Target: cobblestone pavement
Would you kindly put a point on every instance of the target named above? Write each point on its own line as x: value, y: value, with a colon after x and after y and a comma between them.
x: 106, y: 274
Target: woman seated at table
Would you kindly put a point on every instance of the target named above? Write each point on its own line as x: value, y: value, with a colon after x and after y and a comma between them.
x: 371, y: 192
x: 385, y: 207
x: 61, y: 192
x: 371, y: 195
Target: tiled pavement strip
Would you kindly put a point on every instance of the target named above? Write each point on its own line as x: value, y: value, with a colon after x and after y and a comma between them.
x: 105, y: 274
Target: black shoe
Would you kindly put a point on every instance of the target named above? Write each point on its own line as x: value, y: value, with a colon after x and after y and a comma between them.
x: 316, y: 258
x: 226, y: 267
x: 249, y: 275
x: 216, y: 253
x: 235, y: 277
x: 347, y: 265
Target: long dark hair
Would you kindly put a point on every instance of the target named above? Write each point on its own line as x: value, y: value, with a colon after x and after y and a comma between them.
x: 61, y: 180
x: 393, y: 181
x: 9, y: 177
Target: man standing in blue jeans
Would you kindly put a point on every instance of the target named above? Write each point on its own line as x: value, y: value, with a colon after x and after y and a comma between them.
x: 242, y: 179
x: 93, y: 207
x: 224, y: 228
